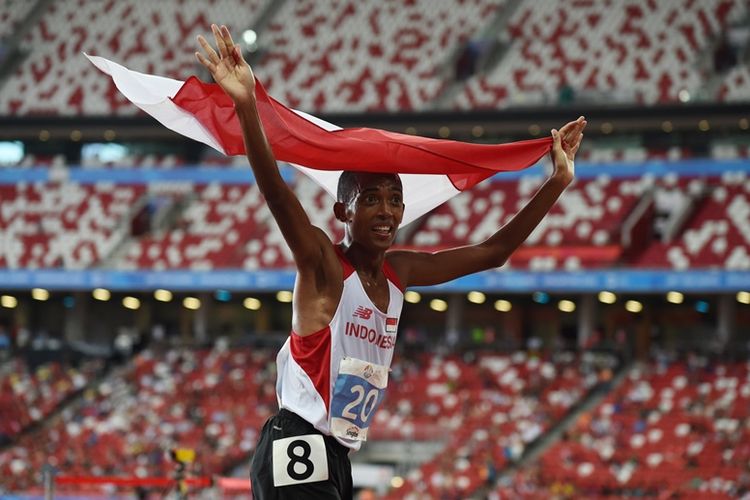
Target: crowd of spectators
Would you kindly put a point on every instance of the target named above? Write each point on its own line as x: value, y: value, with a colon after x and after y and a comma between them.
x: 28, y: 393
x: 492, y: 407
x: 673, y: 427
x: 213, y: 401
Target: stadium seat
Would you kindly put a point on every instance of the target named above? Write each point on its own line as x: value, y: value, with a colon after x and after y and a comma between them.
x: 56, y: 79
x: 349, y: 56
x: 630, y: 51
x: 48, y: 225
x: 669, y: 427
x: 716, y: 236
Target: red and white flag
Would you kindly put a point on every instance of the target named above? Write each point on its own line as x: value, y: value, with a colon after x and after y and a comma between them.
x: 432, y: 170
x: 391, y: 324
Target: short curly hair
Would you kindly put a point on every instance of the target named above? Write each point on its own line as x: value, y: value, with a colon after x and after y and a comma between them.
x: 349, y: 182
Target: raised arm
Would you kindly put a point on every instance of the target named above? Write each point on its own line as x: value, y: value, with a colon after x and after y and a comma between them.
x: 235, y: 77
x: 421, y: 268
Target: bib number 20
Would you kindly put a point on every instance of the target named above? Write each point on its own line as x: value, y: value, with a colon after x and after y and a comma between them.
x: 299, y: 459
x: 370, y: 402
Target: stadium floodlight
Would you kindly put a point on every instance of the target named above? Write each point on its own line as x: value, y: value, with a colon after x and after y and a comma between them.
x: 397, y: 482
x: 683, y: 95
x: 476, y: 297
x: 438, y: 305
x: 503, y: 305
x: 11, y: 152
x: 606, y: 297
x: 743, y: 297
x: 131, y: 303
x: 284, y: 296
x: 633, y: 306
x: 251, y: 303
x: 191, y: 303
x: 162, y: 295
x: 412, y: 297
x: 566, y: 306
x: 250, y: 39
x: 8, y: 301
x: 39, y: 294
x: 675, y: 297
x: 101, y: 294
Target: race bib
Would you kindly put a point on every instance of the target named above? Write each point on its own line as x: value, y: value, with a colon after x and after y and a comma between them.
x: 359, y: 389
x: 299, y: 459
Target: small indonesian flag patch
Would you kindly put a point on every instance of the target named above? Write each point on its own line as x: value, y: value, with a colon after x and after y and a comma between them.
x: 391, y: 324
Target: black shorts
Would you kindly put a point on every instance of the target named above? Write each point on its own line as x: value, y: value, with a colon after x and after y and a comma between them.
x: 308, y: 464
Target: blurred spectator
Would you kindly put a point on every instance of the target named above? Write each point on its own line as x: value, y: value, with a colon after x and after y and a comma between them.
x: 725, y: 56
x: 466, y: 65
x: 5, y: 344
x: 566, y: 93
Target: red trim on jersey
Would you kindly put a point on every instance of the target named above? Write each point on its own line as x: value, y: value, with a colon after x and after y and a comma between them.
x: 345, y: 264
x: 388, y: 271
x: 391, y: 275
x: 313, y: 354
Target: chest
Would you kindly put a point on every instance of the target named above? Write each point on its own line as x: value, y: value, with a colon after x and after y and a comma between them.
x: 377, y: 291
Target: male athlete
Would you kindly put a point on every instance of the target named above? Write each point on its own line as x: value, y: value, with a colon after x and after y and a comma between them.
x: 333, y: 369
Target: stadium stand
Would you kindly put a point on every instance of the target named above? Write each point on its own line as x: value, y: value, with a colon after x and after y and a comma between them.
x: 494, y: 407
x: 62, y: 224
x: 210, y: 234
x: 29, y: 395
x: 585, y: 223
x: 56, y: 79
x: 673, y: 428
x: 676, y: 428
x: 12, y: 14
x: 212, y: 226
x: 332, y: 57
x: 717, y: 234
x: 653, y: 51
x: 227, y: 226
x: 213, y: 401
x: 629, y: 51
x: 735, y: 86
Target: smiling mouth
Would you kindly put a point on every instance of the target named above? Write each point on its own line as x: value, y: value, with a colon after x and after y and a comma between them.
x: 383, y: 230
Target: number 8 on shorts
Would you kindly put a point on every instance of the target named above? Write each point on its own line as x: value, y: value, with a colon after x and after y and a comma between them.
x: 299, y: 459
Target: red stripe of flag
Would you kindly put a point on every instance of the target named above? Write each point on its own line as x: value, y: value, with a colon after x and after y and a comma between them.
x: 297, y: 140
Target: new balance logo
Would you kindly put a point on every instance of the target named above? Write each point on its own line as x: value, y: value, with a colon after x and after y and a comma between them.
x: 363, y: 312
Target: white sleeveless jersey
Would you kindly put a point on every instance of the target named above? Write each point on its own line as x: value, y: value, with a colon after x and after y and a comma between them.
x: 336, y: 378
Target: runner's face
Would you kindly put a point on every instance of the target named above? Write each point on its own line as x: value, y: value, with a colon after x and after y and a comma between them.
x: 377, y: 209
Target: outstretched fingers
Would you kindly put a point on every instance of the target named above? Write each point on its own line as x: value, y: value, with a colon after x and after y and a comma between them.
x: 211, y: 56
x: 205, y: 62
x: 573, y: 132
x: 227, y: 36
x: 221, y: 43
x: 571, y: 128
x: 576, y: 145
